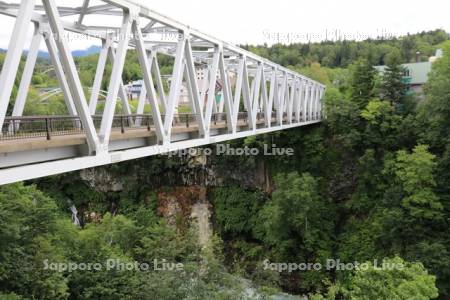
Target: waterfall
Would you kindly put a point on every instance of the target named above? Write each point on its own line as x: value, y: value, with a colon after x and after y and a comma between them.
x: 201, y: 212
x: 74, y: 211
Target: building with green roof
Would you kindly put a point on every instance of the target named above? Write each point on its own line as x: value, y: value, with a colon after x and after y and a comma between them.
x: 416, y: 74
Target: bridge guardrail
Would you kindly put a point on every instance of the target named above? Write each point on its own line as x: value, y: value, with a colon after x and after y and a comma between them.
x: 19, y: 128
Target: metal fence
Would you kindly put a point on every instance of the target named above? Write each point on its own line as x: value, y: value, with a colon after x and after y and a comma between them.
x: 17, y: 128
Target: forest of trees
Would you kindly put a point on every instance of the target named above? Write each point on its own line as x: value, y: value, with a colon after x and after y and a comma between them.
x: 342, y: 54
x: 372, y: 182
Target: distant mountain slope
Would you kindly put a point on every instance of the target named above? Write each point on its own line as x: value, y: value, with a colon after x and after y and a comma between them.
x: 89, y: 51
x: 77, y: 53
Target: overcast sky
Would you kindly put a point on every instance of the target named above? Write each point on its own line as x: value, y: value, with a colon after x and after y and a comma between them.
x: 241, y: 21
x: 264, y: 21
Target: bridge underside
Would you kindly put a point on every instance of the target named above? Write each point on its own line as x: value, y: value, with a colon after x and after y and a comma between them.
x: 231, y: 93
x: 38, y: 157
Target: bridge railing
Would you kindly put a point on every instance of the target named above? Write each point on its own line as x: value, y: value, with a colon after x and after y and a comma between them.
x: 16, y: 128
x: 19, y: 128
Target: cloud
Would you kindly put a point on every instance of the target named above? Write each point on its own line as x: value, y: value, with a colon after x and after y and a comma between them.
x: 248, y: 22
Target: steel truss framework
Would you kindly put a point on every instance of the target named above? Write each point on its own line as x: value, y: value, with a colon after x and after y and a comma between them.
x: 282, y: 98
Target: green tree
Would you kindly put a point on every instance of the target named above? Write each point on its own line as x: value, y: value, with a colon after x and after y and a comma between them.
x: 414, y: 172
x: 435, y: 113
x: 382, y: 125
x: 27, y: 220
x: 236, y: 210
x: 397, y: 280
x: 393, y: 84
x: 297, y: 223
x: 362, y: 83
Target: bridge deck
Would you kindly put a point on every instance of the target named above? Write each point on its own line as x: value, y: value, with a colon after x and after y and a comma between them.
x: 253, y: 90
x: 62, y: 140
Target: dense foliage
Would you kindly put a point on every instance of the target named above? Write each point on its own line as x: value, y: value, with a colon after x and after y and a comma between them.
x: 35, y: 234
x: 344, y: 53
x: 371, y: 183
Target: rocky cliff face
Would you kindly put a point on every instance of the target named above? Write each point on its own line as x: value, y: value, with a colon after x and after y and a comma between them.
x: 197, y: 170
x: 183, y: 205
x: 204, y: 171
x: 182, y: 189
x: 188, y: 170
x: 102, y: 180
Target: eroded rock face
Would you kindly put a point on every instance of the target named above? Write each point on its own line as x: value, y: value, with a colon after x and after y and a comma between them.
x: 188, y: 170
x: 201, y: 170
x: 188, y: 177
x: 201, y: 213
x: 179, y: 201
x: 184, y: 205
x: 102, y: 180
x: 197, y: 170
x: 170, y: 209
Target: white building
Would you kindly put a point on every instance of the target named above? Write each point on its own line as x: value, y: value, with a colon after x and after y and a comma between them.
x: 134, y: 89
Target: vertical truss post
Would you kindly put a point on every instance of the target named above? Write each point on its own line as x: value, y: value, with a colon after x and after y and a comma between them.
x: 13, y: 55
x: 295, y: 102
x: 115, y: 80
x: 300, y: 97
x: 159, y: 83
x: 310, y: 100
x: 122, y: 93
x: 321, y: 105
x: 272, y: 93
x: 238, y: 93
x: 227, y: 96
x: 252, y: 85
x: 189, y: 87
x: 220, y: 104
x: 286, y: 98
x: 27, y: 75
x: 276, y: 99
x: 204, y: 90
x: 174, y: 94
x: 72, y: 76
x: 321, y: 102
x: 265, y: 100
x: 316, y: 104
x: 303, y: 101
x: 141, y: 102
x: 313, y: 101
x: 143, y: 95
x: 257, y: 91
x: 103, y: 56
x: 148, y: 80
x: 212, y: 88
x: 247, y: 96
x: 286, y: 101
x: 282, y: 99
x: 291, y: 99
x: 306, y: 101
x: 192, y: 74
x: 53, y: 52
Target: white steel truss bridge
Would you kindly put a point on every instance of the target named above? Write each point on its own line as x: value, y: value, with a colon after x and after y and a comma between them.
x: 238, y: 95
